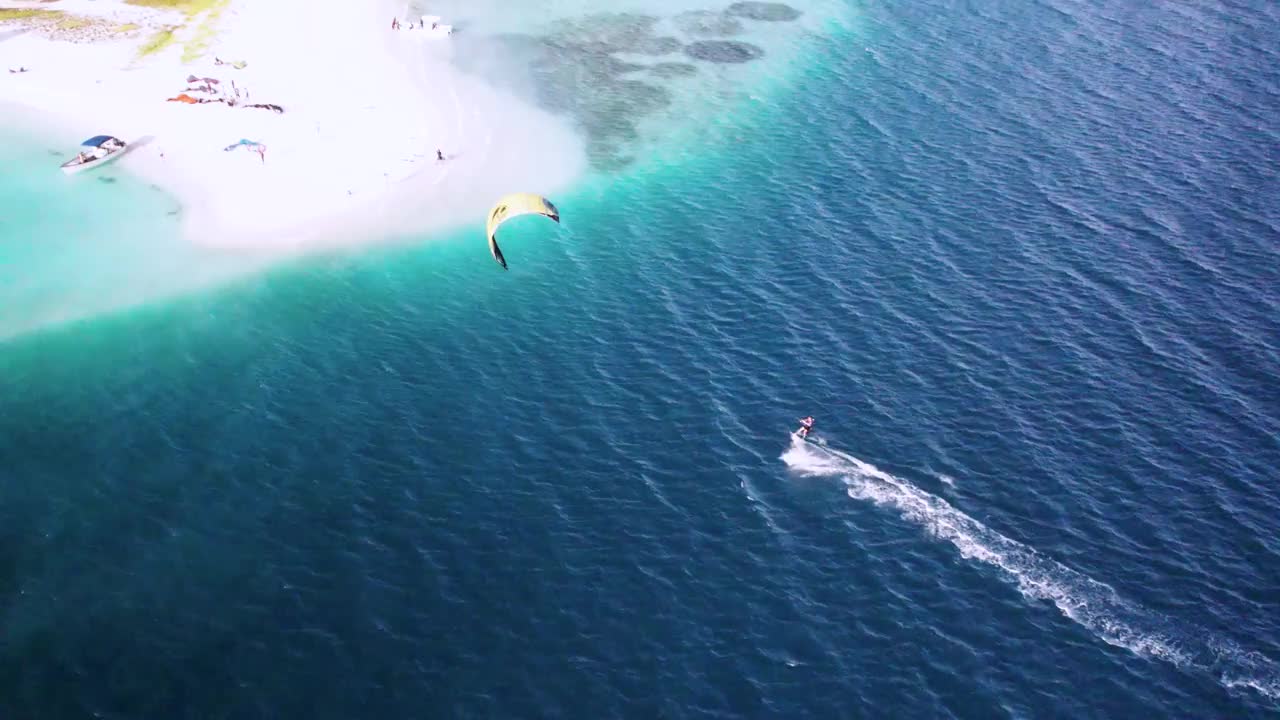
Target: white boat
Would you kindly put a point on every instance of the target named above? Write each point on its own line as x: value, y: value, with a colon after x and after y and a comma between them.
x: 97, y: 150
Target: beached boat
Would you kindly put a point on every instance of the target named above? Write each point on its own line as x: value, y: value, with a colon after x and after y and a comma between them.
x: 97, y: 150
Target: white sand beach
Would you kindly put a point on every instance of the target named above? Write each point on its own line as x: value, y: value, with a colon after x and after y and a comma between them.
x: 352, y: 157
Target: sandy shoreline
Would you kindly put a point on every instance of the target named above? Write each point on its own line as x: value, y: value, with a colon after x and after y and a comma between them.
x: 351, y: 158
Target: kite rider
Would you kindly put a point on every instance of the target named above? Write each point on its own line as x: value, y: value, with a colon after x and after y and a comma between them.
x: 806, y: 425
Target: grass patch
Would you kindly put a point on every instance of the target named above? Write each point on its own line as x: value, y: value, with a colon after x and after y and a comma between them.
x: 207, y: 12
x: 190, y: 7
x: 203, y: 36
x: 27, y: 14
x: 74, y: 22
x: 48, y: 20
x: 125, y: 28
x: 162, y: 39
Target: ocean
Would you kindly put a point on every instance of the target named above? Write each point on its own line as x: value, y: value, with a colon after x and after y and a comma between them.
x: 1019, y: 260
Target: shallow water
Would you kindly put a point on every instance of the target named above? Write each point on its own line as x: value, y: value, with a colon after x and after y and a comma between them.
x: 1021, y: 264
x: 72, y: 247
x: 642, y: 79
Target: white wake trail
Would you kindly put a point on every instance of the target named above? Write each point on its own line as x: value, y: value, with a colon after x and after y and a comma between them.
x: 1090, y: 603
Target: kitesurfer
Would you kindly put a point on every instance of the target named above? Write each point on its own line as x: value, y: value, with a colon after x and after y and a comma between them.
x: 806, y: 425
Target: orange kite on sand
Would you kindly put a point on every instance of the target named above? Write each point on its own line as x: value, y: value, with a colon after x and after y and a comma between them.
x: 184, y: 98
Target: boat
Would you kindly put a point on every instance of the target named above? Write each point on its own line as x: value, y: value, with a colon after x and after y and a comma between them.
x: 97, y: 150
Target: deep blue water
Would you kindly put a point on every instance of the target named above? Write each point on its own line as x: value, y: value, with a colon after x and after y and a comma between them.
x: 1021, y: 262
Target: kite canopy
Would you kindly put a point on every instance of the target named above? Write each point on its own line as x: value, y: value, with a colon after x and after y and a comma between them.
x: 251, y: 144
x: 511, y: 206
x: 96, y: 141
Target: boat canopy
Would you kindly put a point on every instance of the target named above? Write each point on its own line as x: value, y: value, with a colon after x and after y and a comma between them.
x: 96, y: 141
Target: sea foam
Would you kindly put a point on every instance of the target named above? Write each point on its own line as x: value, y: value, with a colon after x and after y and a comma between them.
x: 1093, y: 604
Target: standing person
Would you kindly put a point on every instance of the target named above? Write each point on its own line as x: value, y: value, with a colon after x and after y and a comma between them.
x: 806, y: 427
x: 395, y: 24
x: 439, y: 155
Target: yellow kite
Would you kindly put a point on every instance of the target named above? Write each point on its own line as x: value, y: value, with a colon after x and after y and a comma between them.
x: 510, y: 206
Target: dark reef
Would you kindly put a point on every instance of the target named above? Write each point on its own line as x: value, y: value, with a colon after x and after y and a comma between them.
x: 579, y: 69
x: 766, y: 11
x: 668, y: 70
x: 723, y: 51
x: 706, y: 23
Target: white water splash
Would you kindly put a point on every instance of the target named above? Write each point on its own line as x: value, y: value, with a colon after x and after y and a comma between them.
x: 1093, y: 604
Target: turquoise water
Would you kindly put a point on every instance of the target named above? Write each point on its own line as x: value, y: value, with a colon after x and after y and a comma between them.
x: 1021, y: 264
x: 75, y: 247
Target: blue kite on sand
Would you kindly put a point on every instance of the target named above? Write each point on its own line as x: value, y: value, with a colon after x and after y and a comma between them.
x: 252, y: 145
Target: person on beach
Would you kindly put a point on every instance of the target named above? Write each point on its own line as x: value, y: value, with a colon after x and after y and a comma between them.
x: 439, y: 155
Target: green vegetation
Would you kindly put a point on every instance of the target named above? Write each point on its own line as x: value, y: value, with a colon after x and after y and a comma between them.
x: 203, y: 36
x: 49, y: 19
x: 7, y: 14
x: 190, y: 7
x: 202, y: 16
x: 206, y: 12
x: 162, y: 39
x: 74, y: 22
